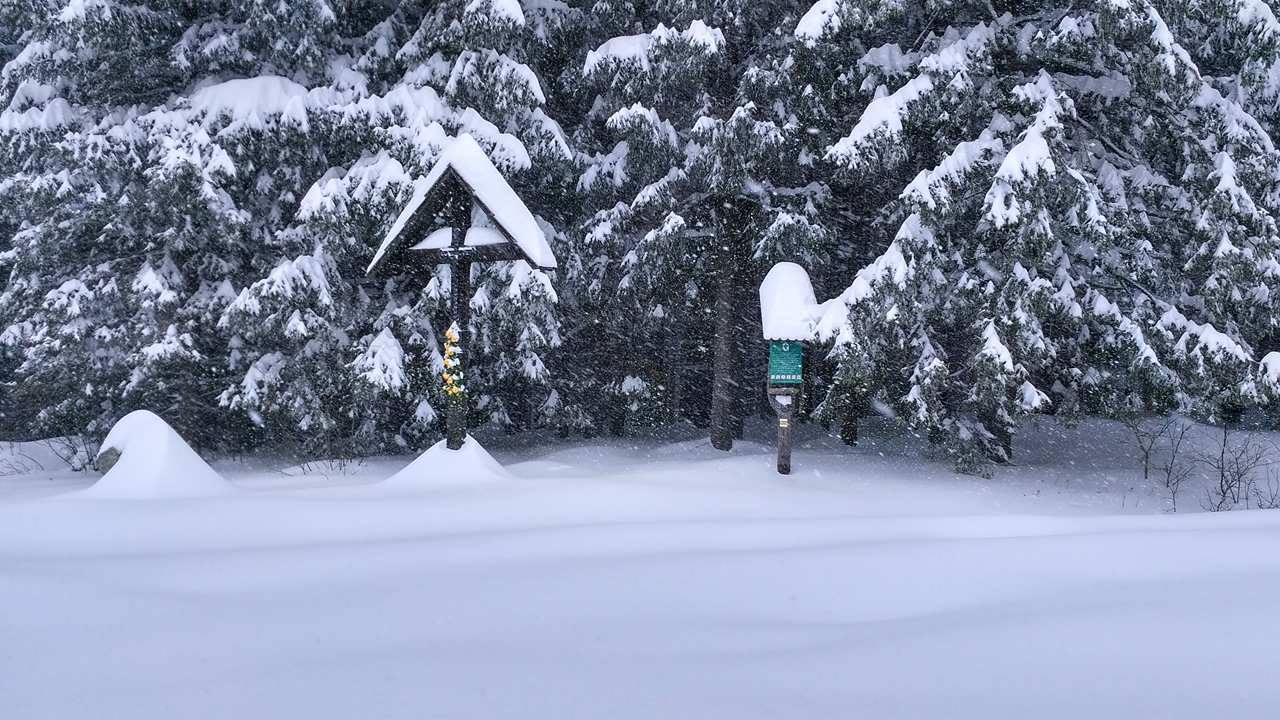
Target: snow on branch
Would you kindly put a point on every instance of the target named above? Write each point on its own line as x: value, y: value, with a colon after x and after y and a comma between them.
x: 507, y: 10
x: 1256, y: 14
x: 1100, y: 307
x: 637, y: 117
x: 932, y: 188
x: 822, y: 18
x: 1172, y: 56
x: 255, y: 103
x: 883, y: 116
x: 482, y: 66
x: 382, y: 363
x: 1028, y: 159
x: 1238, y: 125
x: 53, y: 115
x: 827, y: 17
x: 891, y: 267
x: 366, y: 180
x: 1201, y: 341
x: 881, y: 123
x: 258, y: 380
x: 994, y: 349
x: 1228, y: 185
x: 1269, y: 374
x: 638, y: 49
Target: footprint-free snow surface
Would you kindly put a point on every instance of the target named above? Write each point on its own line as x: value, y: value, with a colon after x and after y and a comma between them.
x: 648, y: 581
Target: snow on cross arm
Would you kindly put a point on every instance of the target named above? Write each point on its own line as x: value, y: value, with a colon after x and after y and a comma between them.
x: 468, y: 161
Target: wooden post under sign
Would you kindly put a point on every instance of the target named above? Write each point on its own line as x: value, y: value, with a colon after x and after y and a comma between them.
x: 784, y: 401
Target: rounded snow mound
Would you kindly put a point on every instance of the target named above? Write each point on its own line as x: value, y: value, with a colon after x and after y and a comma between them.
x: 153, y: 462
x: 440, y: 465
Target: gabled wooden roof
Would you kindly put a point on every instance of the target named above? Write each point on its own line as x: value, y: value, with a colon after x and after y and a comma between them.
x: 514, y: 234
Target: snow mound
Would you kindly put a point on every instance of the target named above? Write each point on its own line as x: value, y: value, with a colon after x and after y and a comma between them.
x: 154, y: 462
x: 440, y: 465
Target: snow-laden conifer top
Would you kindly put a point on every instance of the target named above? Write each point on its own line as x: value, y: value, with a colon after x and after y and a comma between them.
x: 636, y: 48
x: 508, y: 10
x: 467, y: 159
x: 252, y: 100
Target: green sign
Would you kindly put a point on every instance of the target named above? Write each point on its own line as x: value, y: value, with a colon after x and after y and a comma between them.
x: 786, y: 362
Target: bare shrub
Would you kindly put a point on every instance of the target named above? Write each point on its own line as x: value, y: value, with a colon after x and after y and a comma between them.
x: 1147, y: 433
x: 15, y: 462
x: 1177, y: 467
x: 1267, y: 497
x: 1233, y: 464
x: 331, y: 466
x: 77, y: 452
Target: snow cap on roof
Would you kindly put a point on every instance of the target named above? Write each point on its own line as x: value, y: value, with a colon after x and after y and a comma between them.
x: 468, y: 161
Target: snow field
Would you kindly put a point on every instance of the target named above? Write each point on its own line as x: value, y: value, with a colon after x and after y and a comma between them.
x: 641, y: 580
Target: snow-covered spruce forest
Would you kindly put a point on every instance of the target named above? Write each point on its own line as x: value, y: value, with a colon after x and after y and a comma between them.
x: 1063, y: 208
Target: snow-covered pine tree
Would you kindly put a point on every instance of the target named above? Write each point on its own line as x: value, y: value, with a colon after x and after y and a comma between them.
x: 409, y: 83
x: 1088, y: 224
x: 74, y: 165
x: 243, y: 38
x: 151, y: 190
x: 1064, y: 208
x: 690, y: 146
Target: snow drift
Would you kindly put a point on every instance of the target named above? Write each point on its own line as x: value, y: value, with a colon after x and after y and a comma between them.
x: 154, y: 461
x: 439, y: 464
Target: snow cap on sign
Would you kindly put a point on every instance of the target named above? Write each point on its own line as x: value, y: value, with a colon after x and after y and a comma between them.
x: 468, y: 161
x: 787, y: 303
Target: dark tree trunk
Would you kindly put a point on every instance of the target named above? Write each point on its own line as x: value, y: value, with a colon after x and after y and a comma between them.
x: 745, y: 330
x: 724, y: 384
x: 937, y: 438
x: 849, y: 427
x: 675, y: 371
x: 738, y: 409
x: 1002, y: 433
x: 731, y: 218
x: 618, y: 423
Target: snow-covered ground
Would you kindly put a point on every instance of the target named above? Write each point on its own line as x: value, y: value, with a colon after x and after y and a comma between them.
x: 645, y: 579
